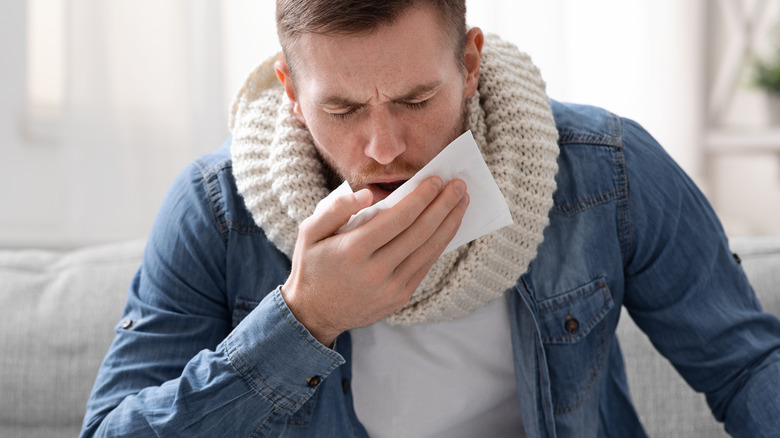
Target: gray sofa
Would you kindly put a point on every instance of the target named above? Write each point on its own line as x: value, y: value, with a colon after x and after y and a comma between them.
x: 58, y: 311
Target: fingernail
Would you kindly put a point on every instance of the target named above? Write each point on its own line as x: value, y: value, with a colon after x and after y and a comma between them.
x: 437, y: 183
x: 459, y: 187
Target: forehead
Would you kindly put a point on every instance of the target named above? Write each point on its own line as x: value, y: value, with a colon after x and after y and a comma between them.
x: 411, y: 51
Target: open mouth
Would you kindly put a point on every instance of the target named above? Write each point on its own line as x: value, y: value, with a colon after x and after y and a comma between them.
x: 390, y: 186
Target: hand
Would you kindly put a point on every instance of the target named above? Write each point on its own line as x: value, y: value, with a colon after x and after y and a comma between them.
x: 344, y: 281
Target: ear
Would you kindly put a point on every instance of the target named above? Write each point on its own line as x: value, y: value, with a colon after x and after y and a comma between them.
x: 472, y: 56
x: 283, y: 73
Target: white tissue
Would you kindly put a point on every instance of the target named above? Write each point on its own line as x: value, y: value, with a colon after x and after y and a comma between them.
x: 487, y: 210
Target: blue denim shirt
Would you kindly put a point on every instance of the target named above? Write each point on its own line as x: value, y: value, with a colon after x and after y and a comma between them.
x: 212, y: 348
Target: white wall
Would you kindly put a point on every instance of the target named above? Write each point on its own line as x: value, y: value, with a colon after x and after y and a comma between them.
x: 639, y: 59
x: 148, y: 83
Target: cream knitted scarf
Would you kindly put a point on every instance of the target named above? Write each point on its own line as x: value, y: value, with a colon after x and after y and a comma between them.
x: 280, y: 176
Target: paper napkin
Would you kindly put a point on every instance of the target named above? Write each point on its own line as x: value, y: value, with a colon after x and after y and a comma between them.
x: 487, y: 210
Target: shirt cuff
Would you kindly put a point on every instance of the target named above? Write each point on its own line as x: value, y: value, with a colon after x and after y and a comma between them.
x: 278, y: 356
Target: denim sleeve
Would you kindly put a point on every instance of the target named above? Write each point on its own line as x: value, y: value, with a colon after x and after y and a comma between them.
x: 689, y: 295
x: 176, y: 368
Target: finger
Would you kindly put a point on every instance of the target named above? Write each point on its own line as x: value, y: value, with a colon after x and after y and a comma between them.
x: 415, y: 271
x: 388, y: 224
x: 431, y: 249
x: 429, y: 224
x: 417, y: 277
x: 326, y: 222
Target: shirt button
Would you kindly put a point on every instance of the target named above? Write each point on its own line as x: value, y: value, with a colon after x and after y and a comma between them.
x: 345, y: 385
x: 314, y: 381
x: 571, y: 325
x: 127, y: 323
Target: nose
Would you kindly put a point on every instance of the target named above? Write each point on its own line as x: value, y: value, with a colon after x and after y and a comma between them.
x: 385, y: 137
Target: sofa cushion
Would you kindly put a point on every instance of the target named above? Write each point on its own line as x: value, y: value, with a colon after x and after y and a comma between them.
x: 666, y: 404
x: 57, y: 314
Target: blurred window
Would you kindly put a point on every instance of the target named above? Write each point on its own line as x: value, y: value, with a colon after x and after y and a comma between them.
x: 46, y: 45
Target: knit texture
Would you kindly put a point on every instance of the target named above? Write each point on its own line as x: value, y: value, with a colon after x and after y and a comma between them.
x: 281, y: 178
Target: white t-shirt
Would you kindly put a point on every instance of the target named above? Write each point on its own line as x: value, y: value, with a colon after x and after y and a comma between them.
x: 451, y: 379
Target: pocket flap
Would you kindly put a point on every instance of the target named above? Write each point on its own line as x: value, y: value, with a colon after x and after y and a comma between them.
x: 567, y: 318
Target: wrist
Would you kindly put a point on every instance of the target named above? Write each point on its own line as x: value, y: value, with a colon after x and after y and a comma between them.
x: 308, y: 318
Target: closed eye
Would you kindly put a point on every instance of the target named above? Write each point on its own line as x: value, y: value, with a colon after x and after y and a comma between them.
x: 352, y: 111
x: 416, y: 105
x: 347, y: 113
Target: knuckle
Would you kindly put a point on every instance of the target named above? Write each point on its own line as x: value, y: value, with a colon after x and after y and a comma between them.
x: 402, y: 219
x: 431, y: 248
x: 400, y: 301
x: 435, y: 245
x: 353, y: 258
x: 401, y: 297
x: 350, y: 249
x: 422, y: 231
x: 339, y: 205
x: 306, y: 226
x: 453, y: 223
x: 375, y: 272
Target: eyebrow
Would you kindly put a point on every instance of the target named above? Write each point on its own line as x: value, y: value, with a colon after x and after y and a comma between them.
x: 414, y: 93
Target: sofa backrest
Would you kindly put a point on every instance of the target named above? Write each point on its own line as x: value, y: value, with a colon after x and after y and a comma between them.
x: 58, y: 311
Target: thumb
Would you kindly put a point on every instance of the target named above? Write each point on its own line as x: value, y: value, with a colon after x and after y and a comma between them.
x: 327, y: 220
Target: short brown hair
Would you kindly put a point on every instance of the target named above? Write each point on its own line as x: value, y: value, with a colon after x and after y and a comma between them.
x: 355, y: 17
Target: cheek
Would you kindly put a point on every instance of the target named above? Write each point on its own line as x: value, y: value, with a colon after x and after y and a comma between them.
x: 335, y: 142
x: 439, y: 121
x: 322, y: 129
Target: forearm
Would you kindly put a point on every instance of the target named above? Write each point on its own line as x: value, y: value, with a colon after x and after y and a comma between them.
x: 753, y: 410
x: 264, y: 367
x: 209, y: 390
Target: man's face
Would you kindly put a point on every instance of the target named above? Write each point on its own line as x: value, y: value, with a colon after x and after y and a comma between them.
x: 380, y: 106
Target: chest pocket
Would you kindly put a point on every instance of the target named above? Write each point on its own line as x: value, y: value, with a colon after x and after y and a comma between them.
x: 575, y: 340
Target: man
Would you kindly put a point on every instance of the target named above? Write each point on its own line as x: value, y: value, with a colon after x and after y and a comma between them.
x: 252, y: 316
